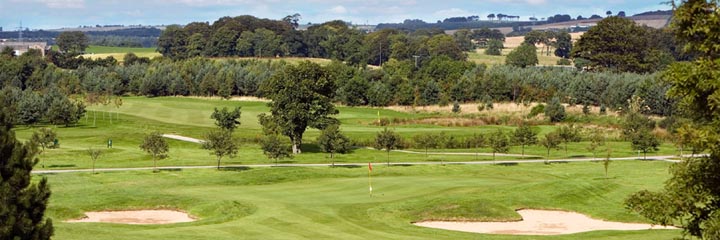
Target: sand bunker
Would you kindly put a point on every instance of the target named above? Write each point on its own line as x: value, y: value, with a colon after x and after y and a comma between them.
x: 137, y: 217
x: 541, y: 222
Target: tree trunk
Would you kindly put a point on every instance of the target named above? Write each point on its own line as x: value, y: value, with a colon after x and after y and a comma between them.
x: 296, y: 143
x: 154, y: 164
x: 388, y: 157
x: 493, y: 157
x: 94, y: 117
x: 523, y: 151
x: 218, y: 165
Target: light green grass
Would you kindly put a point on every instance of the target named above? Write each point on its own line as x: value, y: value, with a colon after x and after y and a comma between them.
x: 333, y: 203
x: 191, y: 117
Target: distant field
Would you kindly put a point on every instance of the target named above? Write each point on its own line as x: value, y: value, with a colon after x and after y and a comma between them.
x: 118, y: 53
x: 479, y: 56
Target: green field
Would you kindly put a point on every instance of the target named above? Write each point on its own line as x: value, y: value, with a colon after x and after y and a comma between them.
x: 320, y: 202
x: 190, y: 117
x: 333, y: 203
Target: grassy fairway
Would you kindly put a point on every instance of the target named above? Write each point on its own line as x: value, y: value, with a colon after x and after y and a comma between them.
x: 333, y: 203
x: 191, y: 117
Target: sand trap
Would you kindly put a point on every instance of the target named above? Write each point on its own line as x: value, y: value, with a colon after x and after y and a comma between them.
x: 137, y: 217
x: 540, y: 222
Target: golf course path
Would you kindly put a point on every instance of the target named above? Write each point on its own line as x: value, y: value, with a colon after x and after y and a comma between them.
x: 503, y: 162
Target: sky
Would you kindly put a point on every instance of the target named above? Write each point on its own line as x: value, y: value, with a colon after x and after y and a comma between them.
x: 52, y: 14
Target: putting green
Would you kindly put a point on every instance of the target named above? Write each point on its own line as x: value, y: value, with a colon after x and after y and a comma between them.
x: 333, y: 203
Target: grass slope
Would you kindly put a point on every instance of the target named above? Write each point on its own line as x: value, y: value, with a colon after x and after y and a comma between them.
x: 333, y: 203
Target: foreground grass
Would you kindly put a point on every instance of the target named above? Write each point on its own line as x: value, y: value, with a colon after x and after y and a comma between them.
x: 333, y: 203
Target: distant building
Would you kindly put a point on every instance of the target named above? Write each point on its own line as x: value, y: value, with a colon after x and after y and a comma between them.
x: 23, y: 47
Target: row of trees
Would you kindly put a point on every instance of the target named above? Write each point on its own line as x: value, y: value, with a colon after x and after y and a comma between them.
x: 438, y: 80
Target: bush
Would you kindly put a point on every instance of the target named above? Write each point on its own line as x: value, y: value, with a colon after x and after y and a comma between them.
x: 540, y: 108
x: 555, y: 111
x: 494, y: 48
x: 564, y: 62
x: 456, y: 107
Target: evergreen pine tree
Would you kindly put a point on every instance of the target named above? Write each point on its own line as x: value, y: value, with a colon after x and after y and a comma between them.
x: 22, y: 204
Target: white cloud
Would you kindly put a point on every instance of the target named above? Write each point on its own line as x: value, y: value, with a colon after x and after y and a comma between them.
x: 63, y: 3
x: 338, y: 10
x: 536, y: 2
x: 452, y: 12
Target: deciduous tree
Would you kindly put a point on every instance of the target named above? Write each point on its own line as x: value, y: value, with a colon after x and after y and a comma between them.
x: 301, y: 98
x: 155, y: 145
x: 221, y: 143
x: 332, y: 141
x: 387, y: 140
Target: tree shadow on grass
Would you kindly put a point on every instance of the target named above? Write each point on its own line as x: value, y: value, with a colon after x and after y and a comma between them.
x: 346, y: 166
x: 400, y: 165
x: 169, y: 169
x: 235, y: 169
x: 62, y: 165
x: 507, y: 164
x: 559, y: 162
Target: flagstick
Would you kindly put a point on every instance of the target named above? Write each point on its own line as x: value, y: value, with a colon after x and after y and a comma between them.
x: 370, y: 179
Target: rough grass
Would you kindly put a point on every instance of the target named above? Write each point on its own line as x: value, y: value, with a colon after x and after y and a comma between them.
x: 333, y: 203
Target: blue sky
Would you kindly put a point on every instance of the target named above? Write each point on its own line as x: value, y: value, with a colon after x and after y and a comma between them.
x: 48, y: 14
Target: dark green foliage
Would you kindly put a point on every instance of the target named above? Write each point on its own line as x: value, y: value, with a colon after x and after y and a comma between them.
x: 494, y: 47
x: 131, y: 58
x: 221, y: 143
x: 155, y: 145
x: 618, y: 44
x: 301, y: 98
x: 388, y: 140
x: 226, y: 119
x: 332, y: 141
x: 172, y: 42
x: 431, y: 93
x: 555, y: 111
x: 540, y: 108
x: 563, y: 46
x: 73, y: 43
x: 274, y: 148
x: 523, y: 136
x: 63, y: 111
x: 379, y: 95
x: 523, y: 56
x: 22, y: 204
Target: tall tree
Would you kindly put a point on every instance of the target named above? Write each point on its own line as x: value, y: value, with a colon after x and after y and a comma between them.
x: 221, y: 143
x: 173, y: 42
x: 563, y: 44
x: 73, y: 42
x: 22, y: 203
x: 332, y: 141
x: 523, y: 56
x: 617, y: 44
x: 388, y: 140
x: 554, y: 110
x: 301, y: 97
x: 155, y: 145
